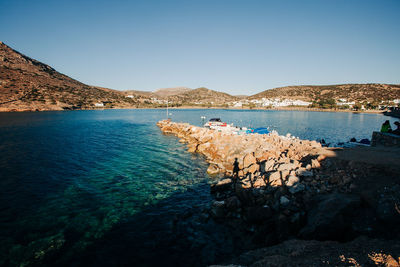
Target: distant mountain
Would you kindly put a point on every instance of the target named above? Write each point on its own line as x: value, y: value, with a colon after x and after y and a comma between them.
x: 352, y: 92
x: 137, y: 93
x: 241, y: 96
x: 27, y: 84
x: 203, y: 95
x: 166, y: 92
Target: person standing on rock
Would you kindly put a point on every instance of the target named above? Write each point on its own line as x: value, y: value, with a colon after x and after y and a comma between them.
x: 236, y: 170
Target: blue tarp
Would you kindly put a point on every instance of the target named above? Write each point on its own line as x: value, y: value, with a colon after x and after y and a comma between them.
x: 261, y: 131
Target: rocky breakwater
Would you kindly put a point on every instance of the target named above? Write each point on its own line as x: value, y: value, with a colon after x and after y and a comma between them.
x: 290, y: 188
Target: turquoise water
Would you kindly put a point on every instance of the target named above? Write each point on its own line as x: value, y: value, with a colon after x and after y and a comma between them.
x: 81, y: 184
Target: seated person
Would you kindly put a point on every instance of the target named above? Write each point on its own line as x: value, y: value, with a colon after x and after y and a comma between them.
x: 386, y: 127
x: 397, y: 131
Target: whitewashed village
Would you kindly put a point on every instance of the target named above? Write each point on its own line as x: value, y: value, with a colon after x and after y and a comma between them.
x: 341, y: 103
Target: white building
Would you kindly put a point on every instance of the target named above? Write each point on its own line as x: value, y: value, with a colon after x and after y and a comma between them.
x: 159, y: 101
x: 343, y: 102
x: 276, y: 102
x: 99, y: 105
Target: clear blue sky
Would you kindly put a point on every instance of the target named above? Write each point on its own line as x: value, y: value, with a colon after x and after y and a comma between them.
x: 238, y: 47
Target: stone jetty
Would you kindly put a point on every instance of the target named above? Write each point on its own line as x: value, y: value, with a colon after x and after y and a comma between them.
x: 256, y: 153
x: 290, y: 188
x: 276, y: 171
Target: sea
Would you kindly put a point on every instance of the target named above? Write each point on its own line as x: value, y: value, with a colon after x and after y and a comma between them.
x: 107, y: 188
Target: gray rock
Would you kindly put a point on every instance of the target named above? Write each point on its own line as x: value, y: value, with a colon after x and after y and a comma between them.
x: 304, y: 173
x: 297, y: 188
x: 284, y: 200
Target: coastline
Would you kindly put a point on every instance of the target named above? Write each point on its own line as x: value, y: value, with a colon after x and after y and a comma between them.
x: 5, y: 110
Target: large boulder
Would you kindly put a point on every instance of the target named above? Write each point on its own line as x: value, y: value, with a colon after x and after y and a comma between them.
x: 252, y: 168
x: 259, y: 182
x: 304, y: 173
x: 292, y: 180
x: 249, y: 160
x: 287, y: 167
x: 275, y: 179
x: 331, y: 217
x: 213, y: 169
x: 269, y: 165
x: 218, y: 209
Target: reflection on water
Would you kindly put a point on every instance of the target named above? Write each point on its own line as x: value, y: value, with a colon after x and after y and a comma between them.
x: 67, y: 178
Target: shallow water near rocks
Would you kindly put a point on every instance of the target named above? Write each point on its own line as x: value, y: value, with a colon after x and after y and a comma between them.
x: 106, y: 187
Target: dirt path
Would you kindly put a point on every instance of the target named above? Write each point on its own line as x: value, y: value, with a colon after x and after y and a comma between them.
x: 388, y: 156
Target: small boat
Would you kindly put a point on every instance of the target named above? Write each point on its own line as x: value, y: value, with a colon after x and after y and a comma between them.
x: 215, y: 122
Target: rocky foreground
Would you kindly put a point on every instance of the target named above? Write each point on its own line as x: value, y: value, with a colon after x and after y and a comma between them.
x: 294, y: 189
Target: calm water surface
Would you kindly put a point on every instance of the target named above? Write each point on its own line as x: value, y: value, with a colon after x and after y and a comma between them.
x: 74, y: 185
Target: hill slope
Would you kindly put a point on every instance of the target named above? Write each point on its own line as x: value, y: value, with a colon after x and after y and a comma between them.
x: 204, y: 96
x: 27, y: 84
x: 352, y: 92
x: 167, y: 92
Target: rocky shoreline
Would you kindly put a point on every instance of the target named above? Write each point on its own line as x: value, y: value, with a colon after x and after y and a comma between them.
x: 20, y: 108
x: 293, y: 189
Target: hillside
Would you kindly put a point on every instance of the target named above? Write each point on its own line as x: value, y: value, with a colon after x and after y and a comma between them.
x: 351, y: 92
x: 27, y: 84
x: 167, y: 92
x: 203, y: 96
x: 137, y: 93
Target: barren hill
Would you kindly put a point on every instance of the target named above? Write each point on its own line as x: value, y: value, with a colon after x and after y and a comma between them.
x: 137, y: 93
x: 166, y: 92
x: 27, y: 84
x: 354, y: 92
x: 203, y: 95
